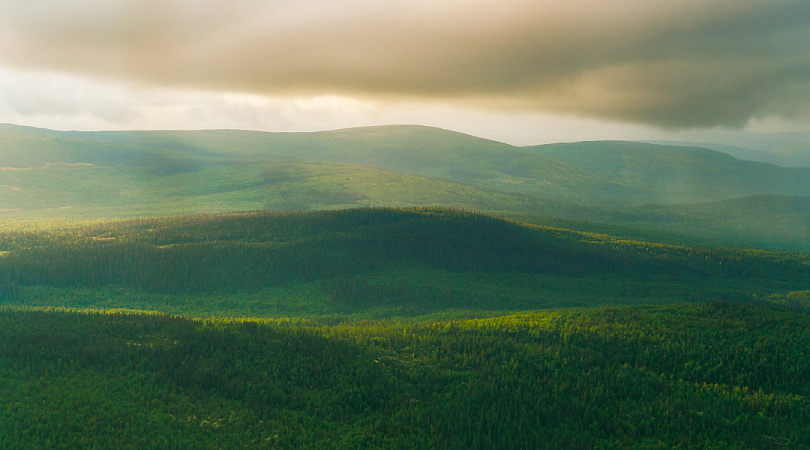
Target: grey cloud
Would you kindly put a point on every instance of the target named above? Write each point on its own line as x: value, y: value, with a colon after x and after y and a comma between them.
x: 673, y: 64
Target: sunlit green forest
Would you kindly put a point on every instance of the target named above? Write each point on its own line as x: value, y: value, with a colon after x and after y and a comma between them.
x: 394, y: 328
x: 713, y: 374
x: 368, y: 263
x: 397, y: 287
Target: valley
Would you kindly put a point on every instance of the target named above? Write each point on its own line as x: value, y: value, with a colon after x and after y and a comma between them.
x: 397, y: 287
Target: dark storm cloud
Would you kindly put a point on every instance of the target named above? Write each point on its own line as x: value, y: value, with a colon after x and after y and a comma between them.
x: 673, y: 64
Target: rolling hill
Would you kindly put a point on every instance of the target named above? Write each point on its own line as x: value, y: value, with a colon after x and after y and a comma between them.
x: 648, y: 174
x: 53, y: 174
x: 368, y: 263
x: 791, y: 149
x: 392, y: 327
x: 588, y: 172
x: 91, y: 191
x: 408, y: 149
x: 773, y: 221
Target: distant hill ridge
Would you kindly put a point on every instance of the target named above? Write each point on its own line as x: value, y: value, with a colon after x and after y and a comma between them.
x: 676, y: 174
x: 788, y: 149
x: 412, y: 261
x: 77, y: 174
x: 586, y: 172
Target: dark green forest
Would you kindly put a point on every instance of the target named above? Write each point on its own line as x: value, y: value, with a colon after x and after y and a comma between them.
x: 394, y: 328
x: 374, y: 263
x: 714, y: 374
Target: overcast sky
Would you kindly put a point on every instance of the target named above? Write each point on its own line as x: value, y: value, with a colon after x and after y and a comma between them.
x: 521, y: 71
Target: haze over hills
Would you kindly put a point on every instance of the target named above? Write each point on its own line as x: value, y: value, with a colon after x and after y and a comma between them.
x: 408, y: 149
x: 587, y: 172
x: 743, y: 153
x: 45, y: 173
x: 670, y: 174
x: 768, y: 221
x: 790, y: 149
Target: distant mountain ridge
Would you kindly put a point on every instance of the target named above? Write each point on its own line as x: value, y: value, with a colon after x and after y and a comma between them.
x: 587, y: 172
x: 790, y: 149
x: 675, y: 174
x: 46, y: 173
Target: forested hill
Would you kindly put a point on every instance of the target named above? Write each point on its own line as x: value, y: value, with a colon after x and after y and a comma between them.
x: 80, y: 175
x: 755, y: 221
x: 587, y: 172
x: 788, y: 149
x: 391, y: 327
x: 377, y: 262
x: 675, y: 174
x: 407, y: 149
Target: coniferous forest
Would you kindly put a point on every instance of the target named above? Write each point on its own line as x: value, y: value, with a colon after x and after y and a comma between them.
x: 397, y: 287
x: 713, y: 374
x: 394, y: 328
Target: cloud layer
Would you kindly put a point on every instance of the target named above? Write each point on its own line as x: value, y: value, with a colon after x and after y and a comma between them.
x: 677, y: 64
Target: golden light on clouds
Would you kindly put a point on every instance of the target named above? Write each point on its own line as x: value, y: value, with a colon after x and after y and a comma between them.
x: 670, y: 64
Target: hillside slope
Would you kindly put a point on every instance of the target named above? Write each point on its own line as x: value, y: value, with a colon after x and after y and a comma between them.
x: 79, y: 175
x: 408, y: 149
x: 773, y: 221
x: 587, y: 172
x: 788, y: 149
x: 368, y: 263
x: 672, y: 174
x: 85, y: 190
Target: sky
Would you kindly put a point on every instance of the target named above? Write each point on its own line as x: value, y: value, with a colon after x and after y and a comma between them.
x: 520, y: 71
